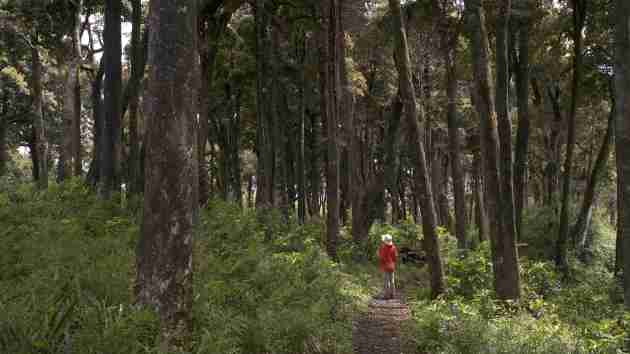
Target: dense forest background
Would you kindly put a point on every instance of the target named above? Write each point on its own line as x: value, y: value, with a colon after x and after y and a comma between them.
x: 213, y: 176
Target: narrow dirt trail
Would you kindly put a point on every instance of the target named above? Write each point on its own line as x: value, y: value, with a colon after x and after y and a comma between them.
x: 378, y: 330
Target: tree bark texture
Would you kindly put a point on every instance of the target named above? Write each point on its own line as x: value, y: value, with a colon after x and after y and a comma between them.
x: 164, y: 254
x: 621, y: 20
x: 504, y: 255
x: 41, y: 144
x: 455, y: 151
x: 506, y: 209
x: 522, y: 131
x: 112, y: 106
x: 413, y: 112
x: 330, y: 93
x: 137, y: 72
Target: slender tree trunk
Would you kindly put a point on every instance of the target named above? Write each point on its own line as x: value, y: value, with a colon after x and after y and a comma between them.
x: 483, y: 224
x: 315, y: 176
x: 455, y: 151
x: 301, y: 171
x: 4, y: 155
x: 504, y: 255
x: 579, y: 15
x: 137, y: 71
x: 522, y: 132
x: 113, y: 97
x: 76, y: 90
x: 94, y: 174
x: 66, y: 149
x: 413, y: 113
x: 619, y: 245
x: 164, y: 254
x: 41, y: 144
x: 580, y: 229
x: 235, y: 145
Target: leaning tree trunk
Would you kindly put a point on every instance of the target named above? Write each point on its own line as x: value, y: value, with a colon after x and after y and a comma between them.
x: 580, y: 229
x: 579, y: 15
x: 164, y: 253
x: 41, y: 145
x: 113, y: 98
x: 413, y: 113
x: 455, y: 151
x: 504, y: 255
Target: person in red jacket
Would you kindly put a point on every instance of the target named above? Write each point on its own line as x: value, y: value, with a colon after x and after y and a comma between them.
x: 387, y: 256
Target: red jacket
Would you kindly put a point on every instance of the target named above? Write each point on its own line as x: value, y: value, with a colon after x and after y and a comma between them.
x: 387, y: 255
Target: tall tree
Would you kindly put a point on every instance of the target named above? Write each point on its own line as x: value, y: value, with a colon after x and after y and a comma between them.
x: 506, y: 206
x: 113, y: 97
x: 41, y: 144
x: 504, y: 255
x: 579, y: 16
x: 451, y: 36
x: 413, y: 112
x: 621, y: 20
x: 522, y: 19
x: 164, y: 254
x: 330, y: 91
x: 137, y: 72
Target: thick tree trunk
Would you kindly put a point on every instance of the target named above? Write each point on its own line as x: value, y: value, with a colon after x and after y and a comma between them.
x: 455, y: 151
x: 330, y: 93
x: 113, y: 77
x: 264, y: 152
x: 579, y: 16
x: 506, y: 207
x: 41, y: 144
x: 522, y: 132
x: 413, y: 113
x: 346, y: 110
x: 580, y: 229
x: 504, y: 255
x: 621, y: 19
x: 164, y: 254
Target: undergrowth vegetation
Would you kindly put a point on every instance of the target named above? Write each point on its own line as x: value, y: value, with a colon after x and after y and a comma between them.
x: 67, y: 270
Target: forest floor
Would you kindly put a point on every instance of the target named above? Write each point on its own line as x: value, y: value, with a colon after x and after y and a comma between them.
x: 67, y: 269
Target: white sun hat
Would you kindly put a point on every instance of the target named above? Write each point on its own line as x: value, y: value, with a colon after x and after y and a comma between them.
x: 387, y: 238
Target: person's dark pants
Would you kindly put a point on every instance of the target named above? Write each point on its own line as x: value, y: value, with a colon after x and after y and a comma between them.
x: 388, y: 285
